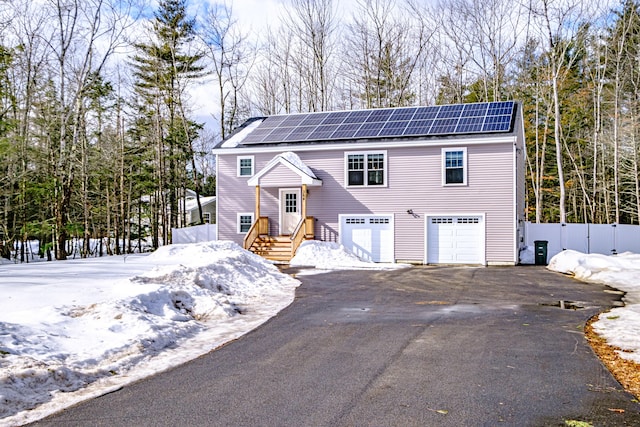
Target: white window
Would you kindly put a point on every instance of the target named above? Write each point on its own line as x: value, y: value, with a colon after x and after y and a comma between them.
x: 206, y: 217
x: 245, y: 220
x: 454, y: 166
x: 245, y: 165
x: 366, y: 169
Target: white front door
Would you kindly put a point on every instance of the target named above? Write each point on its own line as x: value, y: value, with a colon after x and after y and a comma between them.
x: 289, y: 210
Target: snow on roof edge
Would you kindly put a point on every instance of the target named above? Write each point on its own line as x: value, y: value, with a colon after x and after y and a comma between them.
x: 234, y: 140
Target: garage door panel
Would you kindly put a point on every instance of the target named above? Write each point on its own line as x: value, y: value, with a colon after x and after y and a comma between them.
x: 455, y: 240
x: 360, y: 241
x: 386, y: 246
x: 467, y: 245
x: 371, y: 237
x: 465, y: 233
x: 447, y: 233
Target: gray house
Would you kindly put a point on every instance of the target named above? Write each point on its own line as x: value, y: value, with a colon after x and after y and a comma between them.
x: 439, y: 184
x: 192, y: 212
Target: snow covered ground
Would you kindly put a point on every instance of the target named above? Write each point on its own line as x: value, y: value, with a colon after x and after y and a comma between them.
x: 80, y: 328
x: 620, y: 326
x: 76, y: 329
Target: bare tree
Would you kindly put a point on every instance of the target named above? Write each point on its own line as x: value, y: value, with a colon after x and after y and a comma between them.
x: 486, y: 36
x: 231, y: 57
x: 536, y: 96
x: 313, y: 24
x: 273, y: 79
x: 452, y: 58
x: 623, y: 47
x: 80, y: 38
x: 559, y: 26
x: 597, y: 74
x: 384, y: 47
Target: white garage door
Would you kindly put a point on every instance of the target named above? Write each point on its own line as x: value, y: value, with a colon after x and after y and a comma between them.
x: 368, y: 236
x: 455, y: 240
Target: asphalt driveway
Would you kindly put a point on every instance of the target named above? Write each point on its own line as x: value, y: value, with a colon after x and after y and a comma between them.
x: 425, y: 346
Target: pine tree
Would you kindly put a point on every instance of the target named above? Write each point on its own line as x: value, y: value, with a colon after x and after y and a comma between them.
x: 163, y: 67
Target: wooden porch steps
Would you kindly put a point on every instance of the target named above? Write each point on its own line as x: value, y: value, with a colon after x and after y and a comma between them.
x: 275, y: 248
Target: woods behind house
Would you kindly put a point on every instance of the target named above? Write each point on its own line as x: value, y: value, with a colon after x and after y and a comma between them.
x: 101, y: 135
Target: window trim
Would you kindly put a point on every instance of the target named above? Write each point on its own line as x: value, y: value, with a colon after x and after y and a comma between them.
x: 206, y: 217
x: 239, y: 169
x: 465, y: 166
x: 238, y: 223
x: 365, y: 184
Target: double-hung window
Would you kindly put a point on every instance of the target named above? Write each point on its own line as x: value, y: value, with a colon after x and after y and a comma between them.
x: 454, y: 166
x: 366, y: 169
x: 245, y: 165
x: 245, y: 221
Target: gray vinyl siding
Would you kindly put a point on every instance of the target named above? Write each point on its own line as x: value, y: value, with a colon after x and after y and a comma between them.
x: 193, y: 216
x: 414, y: 181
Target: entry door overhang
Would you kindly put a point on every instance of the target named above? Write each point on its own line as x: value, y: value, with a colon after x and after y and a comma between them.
x: 298, y: 173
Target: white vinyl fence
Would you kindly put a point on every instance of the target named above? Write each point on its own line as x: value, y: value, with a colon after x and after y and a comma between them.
x: 195, y: 234
x: 607, y: 239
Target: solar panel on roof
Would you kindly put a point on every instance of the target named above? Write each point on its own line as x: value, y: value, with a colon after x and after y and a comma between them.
x: 358, y: 116
x: 293, y: 120
x: 272, y: 121
x: 322, y: 132
x: 314, y: 119
x: 300, y: 133
x: 257, y: 135
x: 418, y: 127
x: 497, y: 123
x: 426, y: 113
x: 443, y: 126
x: 385, y: 122
x: 470, y: 124
x: 402, y: 114
x: 379, y: 115
x: 500, y: 108
x: 335, y: 118
x: 346, y: 130
x: 450, y: 111
x: 475, y: 110
x: 393, y: 128
x: 369, y: 130
x: 278, y: 134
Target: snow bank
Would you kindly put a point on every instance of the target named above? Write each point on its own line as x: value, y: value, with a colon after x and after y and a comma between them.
x: 527, y: 255
x: 76, y: 329
x: 621, y: 271
x: 620, y: 326
x: 333, y: 256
